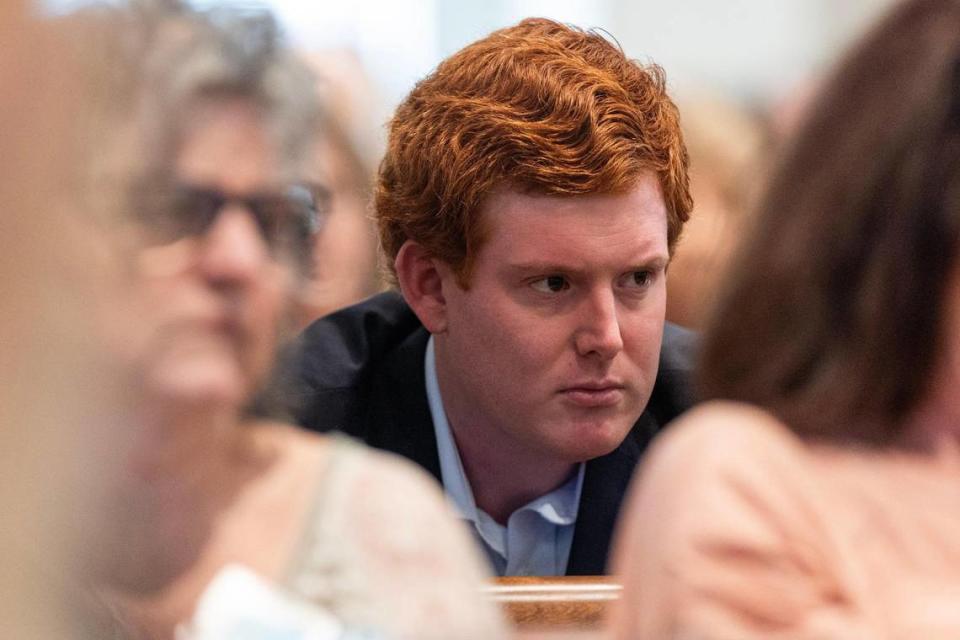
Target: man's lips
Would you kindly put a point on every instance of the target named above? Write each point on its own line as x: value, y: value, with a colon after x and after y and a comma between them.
x: 594, y: 394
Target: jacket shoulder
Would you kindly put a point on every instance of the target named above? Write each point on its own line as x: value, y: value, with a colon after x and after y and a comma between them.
x: 339, y: 350
x: 327, y: 373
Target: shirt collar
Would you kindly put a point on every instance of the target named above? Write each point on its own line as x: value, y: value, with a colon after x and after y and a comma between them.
x: 561, y: 505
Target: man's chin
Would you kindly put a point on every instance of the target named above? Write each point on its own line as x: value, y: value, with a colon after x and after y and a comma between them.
x: 588, y: 441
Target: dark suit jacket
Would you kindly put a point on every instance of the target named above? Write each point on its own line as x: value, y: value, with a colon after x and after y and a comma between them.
x: 360, y: 371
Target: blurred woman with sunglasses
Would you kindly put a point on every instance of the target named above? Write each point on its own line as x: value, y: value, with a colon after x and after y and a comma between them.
x: 819, y: 495
x: 207, y: 126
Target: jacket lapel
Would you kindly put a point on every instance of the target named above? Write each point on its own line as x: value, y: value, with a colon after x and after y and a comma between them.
x: 605, y: 482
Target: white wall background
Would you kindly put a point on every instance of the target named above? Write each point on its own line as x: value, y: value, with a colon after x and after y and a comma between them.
x: 752, y: 50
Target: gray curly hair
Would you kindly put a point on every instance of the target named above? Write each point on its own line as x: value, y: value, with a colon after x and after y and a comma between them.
x: 155, y: 59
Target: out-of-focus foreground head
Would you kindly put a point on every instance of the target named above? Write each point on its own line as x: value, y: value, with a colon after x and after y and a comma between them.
x: 224, y: 124
x: 837, y: 318
x: 539, y: 107
x: 194, y: 138
x: 176, y: 60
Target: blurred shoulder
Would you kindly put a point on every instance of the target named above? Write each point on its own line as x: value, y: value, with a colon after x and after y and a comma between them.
x: 724, y: 433
x: 723, y: 475
x: 396, y: 524
x: 721, y: 449
x: 395, y: 502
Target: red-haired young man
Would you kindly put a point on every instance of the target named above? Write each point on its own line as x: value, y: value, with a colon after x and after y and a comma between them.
x: 532, y: 192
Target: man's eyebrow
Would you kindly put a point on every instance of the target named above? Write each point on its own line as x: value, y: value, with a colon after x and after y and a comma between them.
x: 534, y: 268
x: 659, y: 261
x: 655, y: 260
x: 544, y: 266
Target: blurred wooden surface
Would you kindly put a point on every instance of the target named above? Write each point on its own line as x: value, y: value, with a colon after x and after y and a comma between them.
x: 555, y: 607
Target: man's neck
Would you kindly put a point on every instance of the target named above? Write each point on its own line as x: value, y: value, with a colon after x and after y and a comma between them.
x: 503, y: 472
x: 503, y: 479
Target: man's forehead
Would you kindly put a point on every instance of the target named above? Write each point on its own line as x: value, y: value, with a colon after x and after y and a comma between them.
x: 646, y: 187
x: 535, y: 229
x: 643, y: 203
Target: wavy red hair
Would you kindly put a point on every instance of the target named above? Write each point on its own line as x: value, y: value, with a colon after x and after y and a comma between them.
x: 540, y: 107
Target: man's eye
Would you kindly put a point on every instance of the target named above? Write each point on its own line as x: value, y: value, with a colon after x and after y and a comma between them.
x: 551, y: 284
x: 639, y: 279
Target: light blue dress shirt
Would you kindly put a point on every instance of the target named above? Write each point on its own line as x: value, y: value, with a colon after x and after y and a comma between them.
x: 536, y: 540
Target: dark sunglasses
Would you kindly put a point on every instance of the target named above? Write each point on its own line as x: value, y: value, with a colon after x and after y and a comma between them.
x: 286, y: 220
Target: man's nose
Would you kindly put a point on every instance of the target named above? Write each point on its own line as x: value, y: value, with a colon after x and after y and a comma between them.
x: 599, y: 332
x: 232, y: 250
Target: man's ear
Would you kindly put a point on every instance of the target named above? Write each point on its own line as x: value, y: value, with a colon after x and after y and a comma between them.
x: 420, y: 276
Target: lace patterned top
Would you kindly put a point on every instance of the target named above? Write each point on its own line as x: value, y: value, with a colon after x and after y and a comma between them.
x: 382, y: 551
